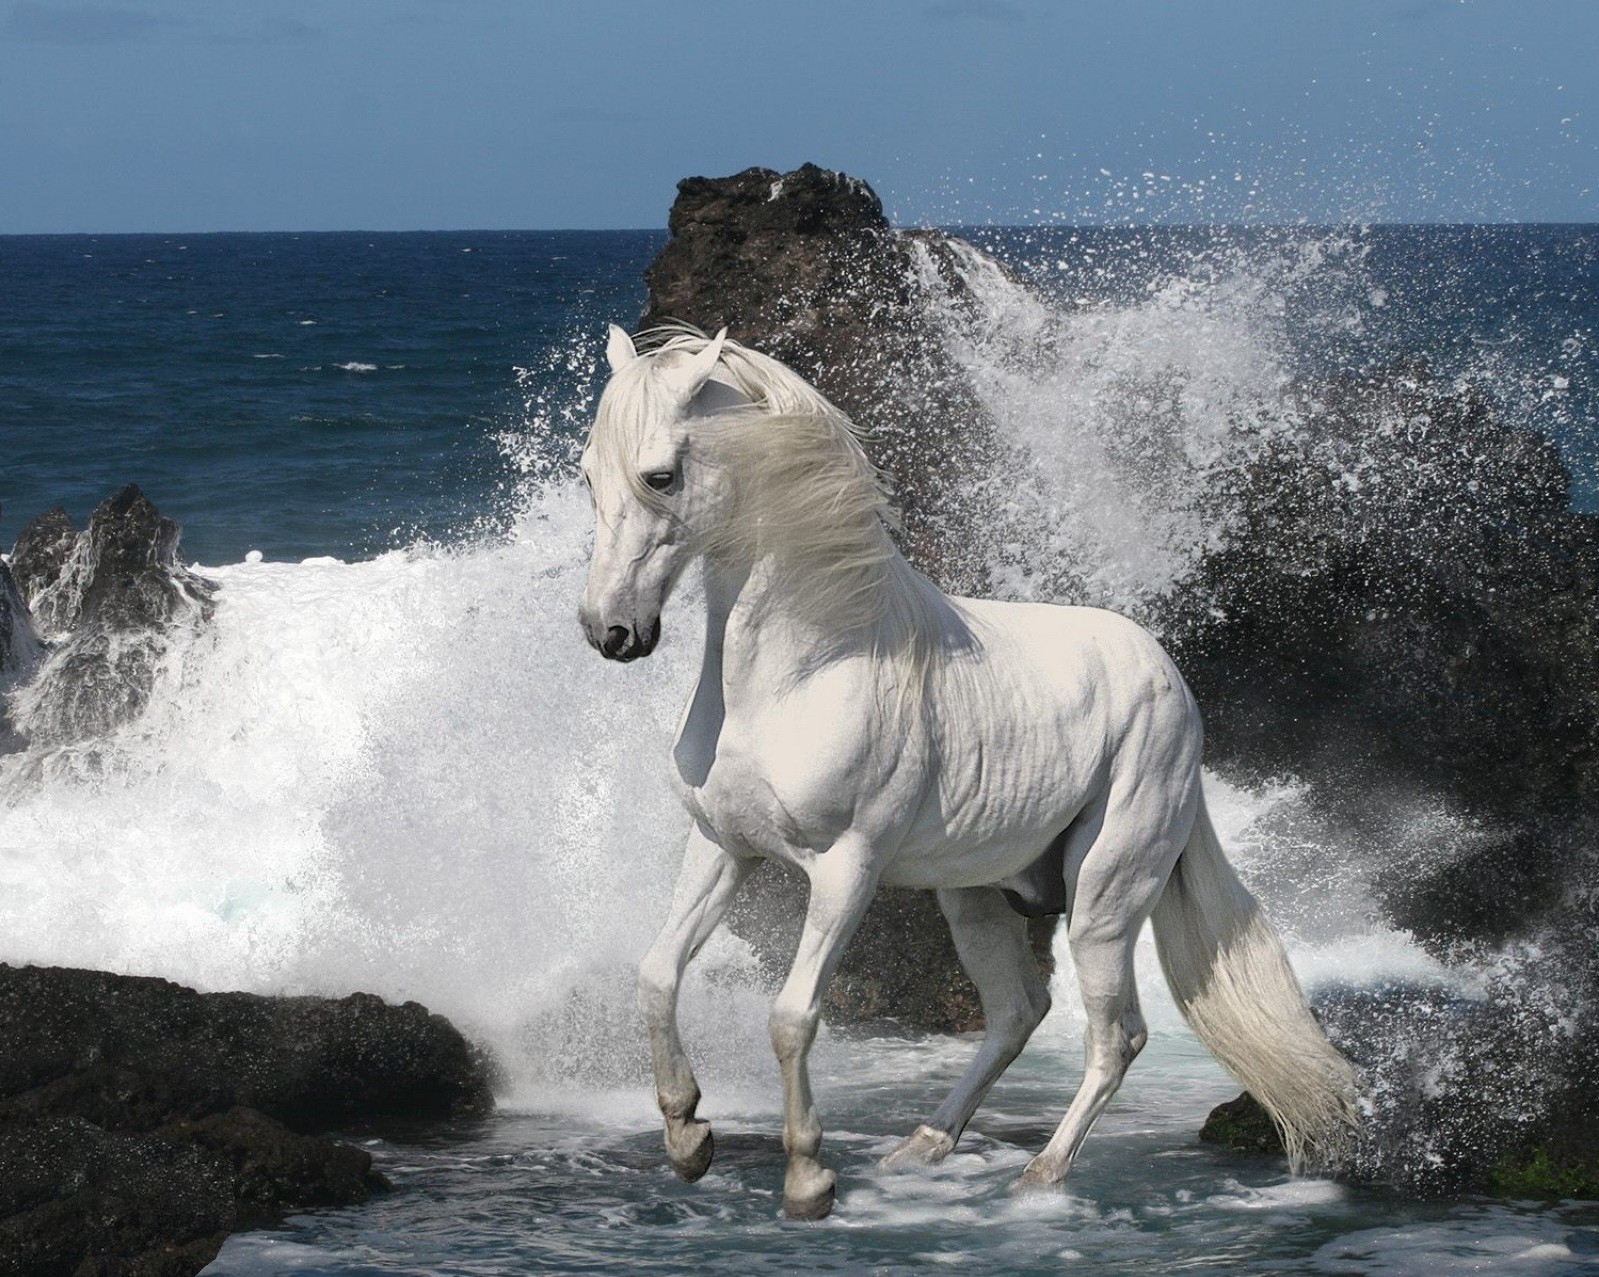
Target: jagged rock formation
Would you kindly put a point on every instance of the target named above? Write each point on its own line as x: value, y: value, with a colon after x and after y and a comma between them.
x: 109, y: 601
x: 41, y: 552
x: 805, y: 267
x: 142, y: 1122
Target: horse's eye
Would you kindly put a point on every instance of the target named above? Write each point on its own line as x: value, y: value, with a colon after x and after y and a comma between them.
x: 660, y: 480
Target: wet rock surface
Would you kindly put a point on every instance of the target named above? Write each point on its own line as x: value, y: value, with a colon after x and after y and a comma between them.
x: 41, y: 551
x: 804, y: 267
x: 1429, y: 627
x: 107, y: 602
x: 141, y: 1122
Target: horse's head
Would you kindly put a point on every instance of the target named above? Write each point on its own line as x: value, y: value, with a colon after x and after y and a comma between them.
x: 653, y: 497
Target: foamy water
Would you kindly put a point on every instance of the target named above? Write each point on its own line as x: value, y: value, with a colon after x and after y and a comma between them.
x: 409, y: 775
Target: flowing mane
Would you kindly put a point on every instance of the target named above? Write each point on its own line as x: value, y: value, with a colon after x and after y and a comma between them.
x: 804, y: 496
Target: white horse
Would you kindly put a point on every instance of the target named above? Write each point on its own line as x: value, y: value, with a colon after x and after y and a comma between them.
x: 858, y: 724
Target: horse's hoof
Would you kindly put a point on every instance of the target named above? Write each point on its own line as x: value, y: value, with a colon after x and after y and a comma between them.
x: 809, y: 1201
x: 691, y: 1149
x: 925, y: 1146
x: 1035, y: 1179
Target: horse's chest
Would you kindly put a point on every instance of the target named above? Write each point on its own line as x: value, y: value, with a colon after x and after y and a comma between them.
x: 739, y: 805
x: 768, y: 787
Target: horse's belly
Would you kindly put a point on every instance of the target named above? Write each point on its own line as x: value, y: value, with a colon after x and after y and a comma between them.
x: 945, y: 862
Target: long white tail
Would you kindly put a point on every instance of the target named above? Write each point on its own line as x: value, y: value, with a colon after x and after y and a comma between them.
x: 1232, y: 982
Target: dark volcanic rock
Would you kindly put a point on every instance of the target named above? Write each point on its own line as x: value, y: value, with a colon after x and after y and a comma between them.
x: 122, y: 574
x: 112, y: 607
x: 1243, y: 1126
x: 75, y: 1040
x: 41, y: 551
x: 804, y: 267
x: 18, y: 646
x: 141, y: 1122
x: 1406, y: 606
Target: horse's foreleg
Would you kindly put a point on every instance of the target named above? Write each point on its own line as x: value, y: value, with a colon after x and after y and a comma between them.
x: 842, y: 881
x: 706, y: 884
x: 991, y: 939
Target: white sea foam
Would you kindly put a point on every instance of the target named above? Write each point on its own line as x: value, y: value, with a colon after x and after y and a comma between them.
x: 411, y: 776
x: 355, y: 365
x: 408, y: 775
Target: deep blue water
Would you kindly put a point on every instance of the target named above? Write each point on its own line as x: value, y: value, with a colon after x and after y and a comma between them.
x: 345, y: 393
x: 297, y: 394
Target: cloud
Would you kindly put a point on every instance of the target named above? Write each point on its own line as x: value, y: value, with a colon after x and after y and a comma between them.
x: 56, y: 24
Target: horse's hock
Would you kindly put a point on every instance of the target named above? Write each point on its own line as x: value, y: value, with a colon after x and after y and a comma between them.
x: 805, y: 266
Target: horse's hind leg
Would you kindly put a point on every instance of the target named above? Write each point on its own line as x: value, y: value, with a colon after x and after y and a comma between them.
x: 706, y: 885
x: 1120, y: 879
x: 991, y: 939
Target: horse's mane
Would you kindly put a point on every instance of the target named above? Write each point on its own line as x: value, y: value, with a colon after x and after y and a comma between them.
x: 806, y: 497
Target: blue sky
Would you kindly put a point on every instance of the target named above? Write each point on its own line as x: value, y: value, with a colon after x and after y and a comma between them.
x: 195, y: 115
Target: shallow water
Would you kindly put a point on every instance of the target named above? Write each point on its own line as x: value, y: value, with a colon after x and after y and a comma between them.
x: 543, y: 1191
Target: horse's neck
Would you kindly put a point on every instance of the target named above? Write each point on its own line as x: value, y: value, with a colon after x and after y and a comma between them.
x: 753, y: 638
x: 738, y: 601
x: 757, y: 639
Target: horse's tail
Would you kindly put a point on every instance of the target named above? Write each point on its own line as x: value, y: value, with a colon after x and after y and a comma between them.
x: 1232, y: 982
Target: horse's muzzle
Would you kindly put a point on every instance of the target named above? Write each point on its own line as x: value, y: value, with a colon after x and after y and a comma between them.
x: 620, y: 643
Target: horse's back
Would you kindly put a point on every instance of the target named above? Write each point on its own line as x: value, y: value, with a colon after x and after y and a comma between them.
x: 1087, y: 668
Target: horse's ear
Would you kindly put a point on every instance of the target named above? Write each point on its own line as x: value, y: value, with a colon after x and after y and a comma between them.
x: 686, y: 380
x: 619, y: 349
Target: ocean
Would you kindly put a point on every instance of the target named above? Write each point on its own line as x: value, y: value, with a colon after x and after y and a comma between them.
x: 390, y: 763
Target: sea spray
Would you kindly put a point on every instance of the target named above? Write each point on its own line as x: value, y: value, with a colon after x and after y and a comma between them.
x: 1371, y: 575
x: 407, y: 775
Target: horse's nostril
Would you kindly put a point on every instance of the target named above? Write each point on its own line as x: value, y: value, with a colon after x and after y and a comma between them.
x: 615, y: 640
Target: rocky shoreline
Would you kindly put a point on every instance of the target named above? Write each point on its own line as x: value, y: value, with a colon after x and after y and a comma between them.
x: 142, y: 1122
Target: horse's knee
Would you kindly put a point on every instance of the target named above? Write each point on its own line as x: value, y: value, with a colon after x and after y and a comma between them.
x: 1021, y: 1013
x: 1115, y: 1044
x: 657, y: 988
x: 1137, y: 1034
